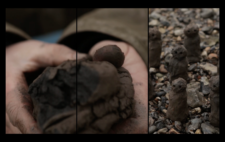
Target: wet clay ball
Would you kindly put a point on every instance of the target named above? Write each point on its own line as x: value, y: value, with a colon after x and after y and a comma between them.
x: 110, y: 53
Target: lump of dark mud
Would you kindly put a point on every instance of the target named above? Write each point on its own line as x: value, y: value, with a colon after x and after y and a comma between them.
x: 110, y: 53
x: 82, y: 96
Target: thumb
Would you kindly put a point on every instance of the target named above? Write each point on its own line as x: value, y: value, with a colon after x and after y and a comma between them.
x: 55, y: 54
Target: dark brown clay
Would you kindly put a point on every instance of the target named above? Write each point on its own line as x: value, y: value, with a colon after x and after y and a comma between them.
x: 110, y: 53
x: 192, y: 43
x: 214, y: 116
x: 82, y: 97
x: 178, y: 64
x: 178, y: 107
x: 155, y: 47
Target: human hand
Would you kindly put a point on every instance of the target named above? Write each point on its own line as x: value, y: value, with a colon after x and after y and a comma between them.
x: 138, y: 122
x: 28, y: 56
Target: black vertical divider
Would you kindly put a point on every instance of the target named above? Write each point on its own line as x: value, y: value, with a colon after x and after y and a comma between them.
x: 76, y: 69
x: 148, y: 68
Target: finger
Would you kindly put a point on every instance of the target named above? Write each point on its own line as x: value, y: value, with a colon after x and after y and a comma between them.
x: 10, y: 129
x: 55, y: 54
x: 19, y: 106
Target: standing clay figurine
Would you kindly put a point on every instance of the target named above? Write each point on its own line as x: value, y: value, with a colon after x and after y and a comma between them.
x: 218, y: 65
x: 178, y: 107
x: 155, y: 47
x: 192, y: 43
x: 178, y: 64
x: 214, y: 116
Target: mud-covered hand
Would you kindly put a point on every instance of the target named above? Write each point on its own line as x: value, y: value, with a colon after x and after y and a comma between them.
x: 28, y: 56
x: 138, y: 122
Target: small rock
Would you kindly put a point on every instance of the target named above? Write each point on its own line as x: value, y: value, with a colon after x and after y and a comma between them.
x: 160, y: 125
x: 209, y: 67
x: 152, y: 70
x: 207, y: 13
x: 158, y: 85
x: 162, y: 69
x: 207, y: 29
x: 205, y: 89
x: 179, y: 38
x: 162, y: 131
x: 160, y: 93
x: 154, y: 115
x: 152, y: 129
x: 192, y: 67
x: 204, y: 54
x: 212, y: 55
x: 151, y: 121
x: 163, y: 100
x: 164, y: 22
x: 208, y: 129
x: 162, y: 30
x: 173, y: 131
x: 198, y: 109
x: 204, y: 80
x: 198, y: 131
x: 196, y: 122
x: 153, y: 23
x: 167, y: 96
x: 178, y: 125
x: 169, y: 126
x: 159, y: 75
x: 178, y: 32
x: 164, y: 111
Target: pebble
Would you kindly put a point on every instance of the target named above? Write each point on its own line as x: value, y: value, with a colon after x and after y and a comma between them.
x: 162, y: 131
x: 152, y: 70
x: 158, y: 85
x: 205, y: 89
x: 154, y: 115
x: 178, y: 32
x: 160, y: 125
x: 208, y: 129
x: 195, y: 123
x: 164, y: 111
x: 162, y: 69
x: 167, y: 96
x: 207, y: 13
x: 151, y: 121
x: 173, y: 131
x: 160, y: 93
x: 212, y: 55
x: 198, y: 131
x: 198, y: 109
x: 192, y: 67
x: 209, y: 67
x: 152, y: 129
x: 178, y: 125
x: 154, y: 22
x: 205, y: 116
x: 159, y: 75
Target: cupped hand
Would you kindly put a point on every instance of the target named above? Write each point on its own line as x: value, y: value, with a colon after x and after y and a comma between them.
x: 138, y: 122
x: 28, y: 56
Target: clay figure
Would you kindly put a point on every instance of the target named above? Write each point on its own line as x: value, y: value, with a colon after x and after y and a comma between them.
x: 110, y: 53
x: 192, y: 43
x: 82, y: 96
x: 178, y: 107
x: 218, y: 65
x: 214, y: 116
x: 155, y: 47
x: 178, y: 64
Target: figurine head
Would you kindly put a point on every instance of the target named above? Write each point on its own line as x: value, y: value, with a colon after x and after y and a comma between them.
x: 191, y: 30
x: 179, y: 85
x: 214, y: 83
x: 154, y: 34
x: 179, y: 52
